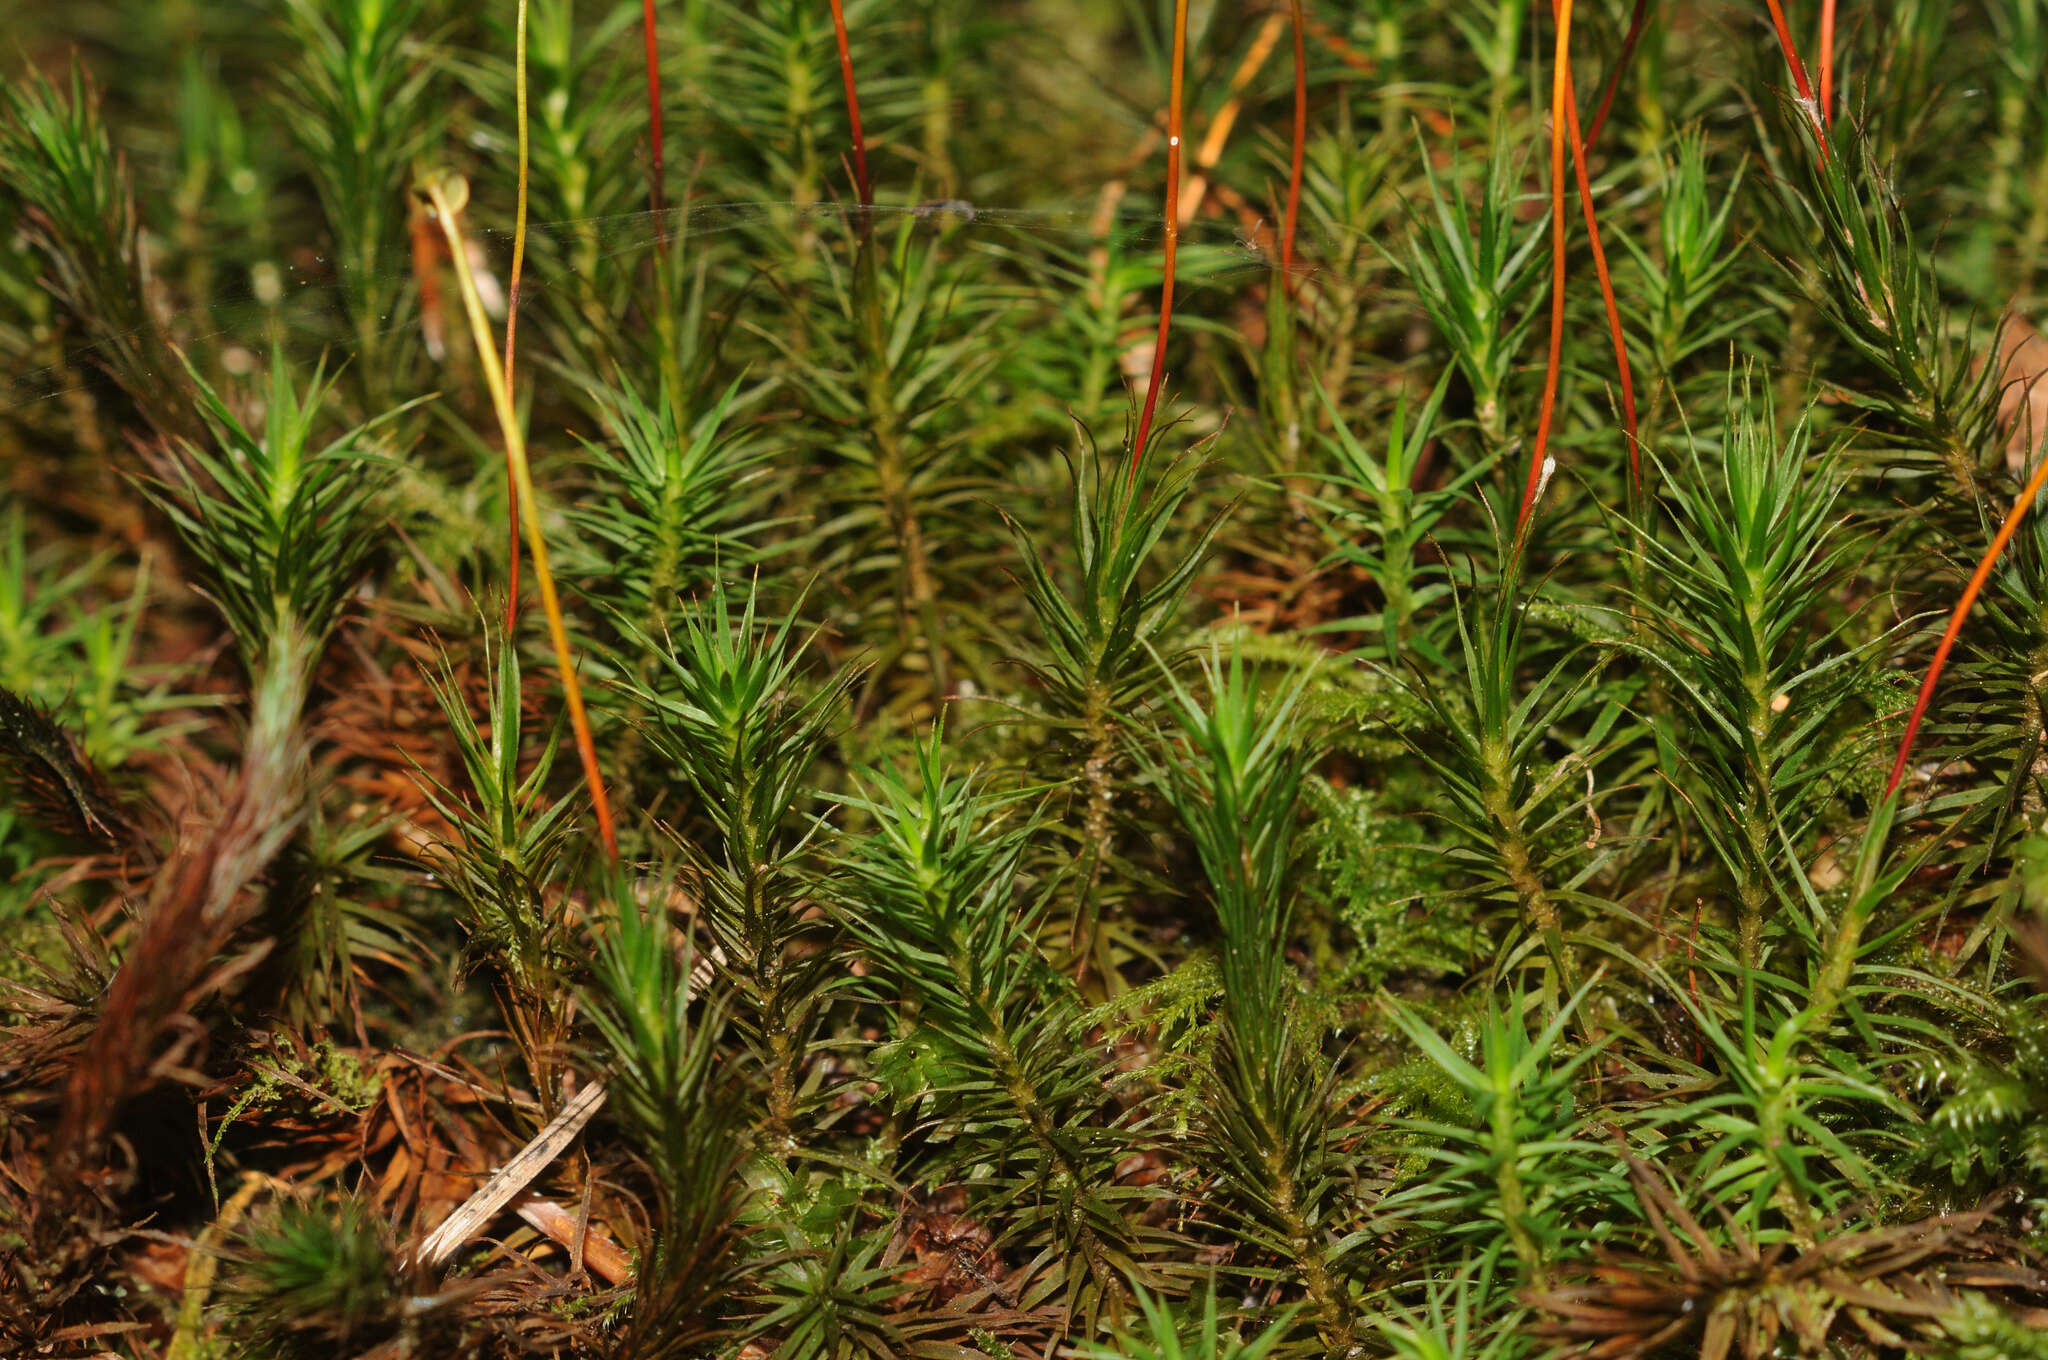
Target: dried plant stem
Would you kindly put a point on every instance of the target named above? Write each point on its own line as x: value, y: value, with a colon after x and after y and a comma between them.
x: 426, y: 257
x: 1172, y: 249
x: 1560, y: 95
x: 1962, y: 612
x: 1296, y: 153
x: 862, y: 183
x: 1628, y: 387
x: 1339, y: 48
x: 446, y: 212
x: 512, y: 320
x: 1195, y: 188
x: 514, y: 1176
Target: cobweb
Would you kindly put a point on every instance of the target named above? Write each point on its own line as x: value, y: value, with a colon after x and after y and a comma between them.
x: 305, y: 298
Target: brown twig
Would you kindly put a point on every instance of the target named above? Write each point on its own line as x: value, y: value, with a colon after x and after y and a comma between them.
x: 595, y: 1249
x: 1340, y: 49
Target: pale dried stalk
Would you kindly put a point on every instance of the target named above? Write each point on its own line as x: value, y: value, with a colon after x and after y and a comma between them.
x: 494, y: 1194
x: 1218, y: 135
